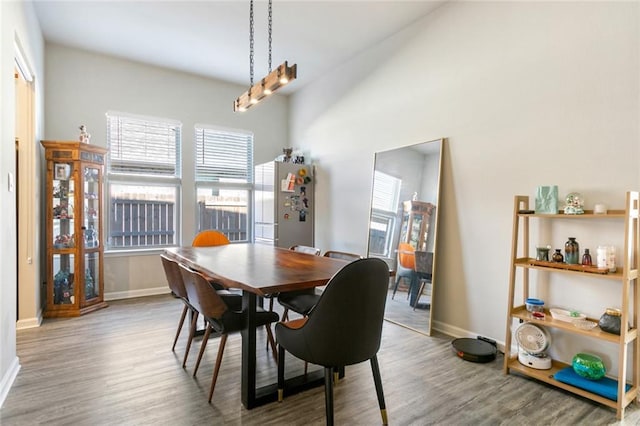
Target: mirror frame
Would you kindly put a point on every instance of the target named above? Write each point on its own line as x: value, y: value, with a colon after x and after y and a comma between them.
x: 434, y: 231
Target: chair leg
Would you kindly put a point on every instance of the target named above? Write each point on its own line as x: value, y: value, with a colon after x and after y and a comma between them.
x: 395, y: 287
x: 271, y: 342
x: 203, y: 345
x: 216, y: 369
x: 280, y: 373
x: 285, y: 315
x: 420, y: 290
x: 192, y: 332
x: 180, y: 324
x: 377, y: 379
x: 328, y: 394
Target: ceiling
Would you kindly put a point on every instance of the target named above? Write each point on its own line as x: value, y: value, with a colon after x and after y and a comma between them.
x: 211, y: 38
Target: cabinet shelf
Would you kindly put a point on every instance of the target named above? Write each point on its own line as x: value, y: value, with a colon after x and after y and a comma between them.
x: 626, y: 276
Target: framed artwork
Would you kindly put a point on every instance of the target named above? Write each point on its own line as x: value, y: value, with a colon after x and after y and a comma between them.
x: 61, y: 171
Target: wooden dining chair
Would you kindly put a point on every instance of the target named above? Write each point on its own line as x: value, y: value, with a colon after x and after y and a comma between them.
x: 176, y: 284
x: 219, y: 318
x: 344, y: 328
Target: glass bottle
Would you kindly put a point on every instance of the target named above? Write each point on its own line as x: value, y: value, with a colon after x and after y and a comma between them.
x: 586, y: 258
x: 557, y: 256
x: 571, y: 251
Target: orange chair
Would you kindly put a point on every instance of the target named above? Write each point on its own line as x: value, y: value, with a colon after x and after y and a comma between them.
x: 210, y: 238
x: 406, y: 266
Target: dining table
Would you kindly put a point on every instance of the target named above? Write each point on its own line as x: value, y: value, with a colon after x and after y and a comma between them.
x: 260, y: 270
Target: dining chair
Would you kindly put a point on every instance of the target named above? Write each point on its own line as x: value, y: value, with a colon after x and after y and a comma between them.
x: 300, y: 301
x: 406, y: 267
x: 342, y: 255
x: 424, y: 272
x: 219, y: 318
x: 176, y: 284
x: 209, y: 238
x: 344, y: 328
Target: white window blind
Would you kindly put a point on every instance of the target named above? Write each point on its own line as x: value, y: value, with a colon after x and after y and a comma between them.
x: 223, y: 155
x: 386, y: 192
x: 143, y: 145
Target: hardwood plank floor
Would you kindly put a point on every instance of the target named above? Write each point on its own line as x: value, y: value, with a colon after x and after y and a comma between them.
x: 115, y: 367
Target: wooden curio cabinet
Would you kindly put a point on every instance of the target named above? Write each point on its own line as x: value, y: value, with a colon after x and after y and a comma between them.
x: 416, y: 218
x: 74, y: 240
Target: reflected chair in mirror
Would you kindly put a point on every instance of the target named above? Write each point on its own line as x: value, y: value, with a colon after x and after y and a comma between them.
x: 406, y: 267
x: 176, y: 284
x: 344, y: 328
x: 300, y: 301
x: 424, y: 271
x: 219, y: 318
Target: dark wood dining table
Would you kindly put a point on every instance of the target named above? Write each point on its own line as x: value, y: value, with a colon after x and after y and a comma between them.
x: 259, y: 270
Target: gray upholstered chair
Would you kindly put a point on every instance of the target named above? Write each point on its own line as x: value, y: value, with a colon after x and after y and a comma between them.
x: 344, y: 328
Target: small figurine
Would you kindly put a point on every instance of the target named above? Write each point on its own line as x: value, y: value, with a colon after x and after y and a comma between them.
x: 574, y: 204
x: 84, y: 135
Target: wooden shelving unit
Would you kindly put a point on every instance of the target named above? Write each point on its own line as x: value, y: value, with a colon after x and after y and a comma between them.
x: 627, y: 275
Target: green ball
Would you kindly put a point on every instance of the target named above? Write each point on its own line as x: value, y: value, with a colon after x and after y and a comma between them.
x: 588, y: 366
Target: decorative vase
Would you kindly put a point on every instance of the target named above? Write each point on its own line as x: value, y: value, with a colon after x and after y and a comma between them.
x: 571, y: 251
x: 557, y: 256
x: 588, y: 366
x: 542, y: 253
x: 610, y: 321
x: 586, y: 258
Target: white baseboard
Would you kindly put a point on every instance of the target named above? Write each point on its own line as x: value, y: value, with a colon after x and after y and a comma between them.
x: 130, y: 294
x: 457, y: 332
x: 29, y: 322
x: 8, y: 379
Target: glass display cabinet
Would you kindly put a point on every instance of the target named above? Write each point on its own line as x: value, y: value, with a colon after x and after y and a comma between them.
x: 73, y: 228
x: 416, y: 217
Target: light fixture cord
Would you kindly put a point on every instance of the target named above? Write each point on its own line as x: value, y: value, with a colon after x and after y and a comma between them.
x: 251, y: 44
x: 270, y: 31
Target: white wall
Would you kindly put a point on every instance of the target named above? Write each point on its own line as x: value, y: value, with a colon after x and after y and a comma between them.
x: 83, y: 86
x: 527, y: 94
x: 17, y: 22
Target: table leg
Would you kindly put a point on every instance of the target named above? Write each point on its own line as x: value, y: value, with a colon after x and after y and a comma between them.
x: 248, y: 387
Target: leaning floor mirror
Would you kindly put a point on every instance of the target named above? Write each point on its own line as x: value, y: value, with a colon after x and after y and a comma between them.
x: 402, y: 229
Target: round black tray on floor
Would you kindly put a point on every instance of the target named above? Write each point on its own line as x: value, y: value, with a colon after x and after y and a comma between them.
x: 474, y: 350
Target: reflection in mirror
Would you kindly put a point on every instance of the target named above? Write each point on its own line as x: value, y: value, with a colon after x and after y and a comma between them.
x: 402, y: 228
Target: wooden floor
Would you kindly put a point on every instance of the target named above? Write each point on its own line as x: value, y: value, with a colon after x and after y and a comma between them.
x: 115, y: 367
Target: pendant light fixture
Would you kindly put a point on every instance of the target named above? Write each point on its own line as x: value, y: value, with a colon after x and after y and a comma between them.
x: 269, y: 84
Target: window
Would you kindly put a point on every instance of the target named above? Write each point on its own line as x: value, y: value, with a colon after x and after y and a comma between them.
x: 224, y: 178
x: 384, y: 205
x: 143, y: 181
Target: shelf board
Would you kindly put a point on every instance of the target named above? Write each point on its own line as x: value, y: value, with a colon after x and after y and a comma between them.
x: 528, y: 262
x: 547, y: 377
x: 521, y: 313
x: 588, y: 214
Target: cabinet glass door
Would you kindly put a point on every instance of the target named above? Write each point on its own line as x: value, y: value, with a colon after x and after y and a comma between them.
x: 91, y: 275
x: 91, y: 206
x: 63, y: 206
x: 63, y: 279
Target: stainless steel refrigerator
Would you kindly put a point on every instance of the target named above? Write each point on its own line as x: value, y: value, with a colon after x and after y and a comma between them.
x: 283, y: 204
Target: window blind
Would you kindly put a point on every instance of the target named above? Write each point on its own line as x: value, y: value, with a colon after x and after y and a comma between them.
x: 143, y: 145
x: 386, y: 192
x: 223, y: 155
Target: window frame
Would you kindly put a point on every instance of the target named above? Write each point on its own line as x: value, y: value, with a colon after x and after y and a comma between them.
x: 137, y: 179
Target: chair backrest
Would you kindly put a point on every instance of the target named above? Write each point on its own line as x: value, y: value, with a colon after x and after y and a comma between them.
x: 174, y: 277
x: 306, y: 249
x: 209, y: 238
x: 342, y: 255
x: 406, y: 256
x: 202, y: 296
x: 424, y: 262
x: 345, y: 326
